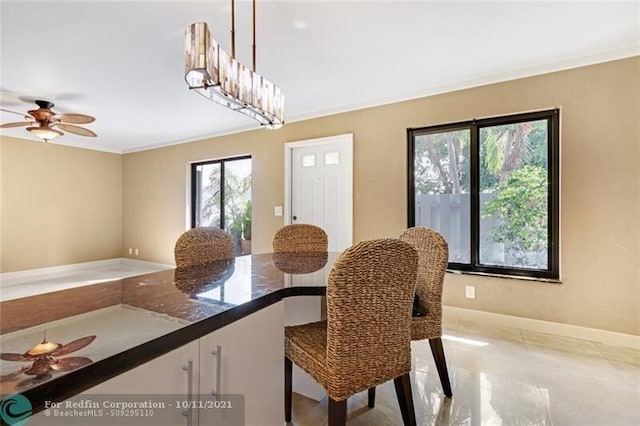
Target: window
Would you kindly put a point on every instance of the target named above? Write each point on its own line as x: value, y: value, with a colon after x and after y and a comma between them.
x: 331, y: 158
x: 491, y: 188
x: 221, y: 196
x: 309, y: 160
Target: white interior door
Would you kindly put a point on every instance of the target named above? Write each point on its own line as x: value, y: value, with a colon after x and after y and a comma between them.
x: 321, y: 187
x: 318, y: 190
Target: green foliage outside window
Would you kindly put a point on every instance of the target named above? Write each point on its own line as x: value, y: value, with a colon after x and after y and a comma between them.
x: 246, y: 221
x: 520, y: 202
x: 237, y: 206
x: 237, y: 199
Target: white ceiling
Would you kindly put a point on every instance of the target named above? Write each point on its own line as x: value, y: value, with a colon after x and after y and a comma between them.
x: 123, y: 61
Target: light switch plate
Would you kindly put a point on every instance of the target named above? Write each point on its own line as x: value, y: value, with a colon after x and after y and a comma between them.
x: 277, y: 210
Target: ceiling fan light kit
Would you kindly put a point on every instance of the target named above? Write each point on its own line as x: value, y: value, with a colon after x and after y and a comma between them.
x: 45, y: 133
x: 219, y: 77
x: 44, y: 122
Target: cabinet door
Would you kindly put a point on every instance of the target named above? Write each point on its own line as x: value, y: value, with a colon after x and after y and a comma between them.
x: 168, y: 374
x: 164, y: 375
x: 252, y: 364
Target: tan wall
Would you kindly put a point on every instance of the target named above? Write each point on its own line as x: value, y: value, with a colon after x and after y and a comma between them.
x: 60, y: 204
x: 600, y: 188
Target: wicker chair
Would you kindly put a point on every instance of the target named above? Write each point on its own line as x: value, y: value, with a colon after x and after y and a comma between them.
x: 433, y: 256
x: 366, y: 339
x: 300, y: 238
x: 203, y: 245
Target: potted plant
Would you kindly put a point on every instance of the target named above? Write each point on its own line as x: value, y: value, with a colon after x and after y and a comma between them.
x: 245, y: 243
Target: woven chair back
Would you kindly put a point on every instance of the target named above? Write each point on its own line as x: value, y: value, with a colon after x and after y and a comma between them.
x: 369, y: 299
x: 203, y: 245
x: 300, y: 238
x: 433, y: 257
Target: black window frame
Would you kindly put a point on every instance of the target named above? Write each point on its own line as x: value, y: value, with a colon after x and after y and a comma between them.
x: 196, y: 180
x: 553, y: 181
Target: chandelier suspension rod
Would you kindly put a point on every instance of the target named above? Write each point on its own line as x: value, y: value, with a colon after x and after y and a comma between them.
x: 233, y: 28
x: 254, y: 36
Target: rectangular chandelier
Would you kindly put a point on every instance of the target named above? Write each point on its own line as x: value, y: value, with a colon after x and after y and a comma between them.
x: 218, y: 76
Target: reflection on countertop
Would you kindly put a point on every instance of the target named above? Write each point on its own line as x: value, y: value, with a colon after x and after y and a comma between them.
x: 302, y: 263
x: 118, y: 326
x: 171, y: 292
x: 132, y: 314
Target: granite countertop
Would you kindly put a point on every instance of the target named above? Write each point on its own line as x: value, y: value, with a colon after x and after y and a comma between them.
x: 139, y: 318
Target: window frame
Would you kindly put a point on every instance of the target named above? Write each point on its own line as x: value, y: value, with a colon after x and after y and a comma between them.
x: 553, y: 184
x: 195, y: 178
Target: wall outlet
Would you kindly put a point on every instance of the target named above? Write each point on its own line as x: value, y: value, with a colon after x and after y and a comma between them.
x: 137, y: 252
x: 470, y: 292
x: 130, y: 251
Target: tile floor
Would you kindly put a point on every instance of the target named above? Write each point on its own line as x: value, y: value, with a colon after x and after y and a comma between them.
x: 506, y: 376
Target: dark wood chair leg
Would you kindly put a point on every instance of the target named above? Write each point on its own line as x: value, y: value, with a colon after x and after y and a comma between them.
x: 337, y: 412
x: 288, y: 370
x: 441, y: 364
x: 372, y: 397
x: 405, y: 399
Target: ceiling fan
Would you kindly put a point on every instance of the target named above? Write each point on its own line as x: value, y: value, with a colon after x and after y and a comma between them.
x: 46, y: 356
x: 45, y: 123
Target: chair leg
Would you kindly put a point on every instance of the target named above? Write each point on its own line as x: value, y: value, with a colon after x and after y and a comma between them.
x: 441, y: 364
x: 405, y: 399
x: 372, y: 397
x: 288, y: 370
x: 337, y: 412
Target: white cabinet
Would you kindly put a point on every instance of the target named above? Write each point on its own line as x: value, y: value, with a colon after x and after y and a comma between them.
x: 175, y: 373
x: 252, y: 364
x: 167, y: 374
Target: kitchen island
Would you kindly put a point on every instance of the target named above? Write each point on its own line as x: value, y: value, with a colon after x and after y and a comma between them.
x: 166, y: 311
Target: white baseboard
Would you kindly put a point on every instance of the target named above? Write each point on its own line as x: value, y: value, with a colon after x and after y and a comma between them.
x: 29, y: 273
x: 559, y: 329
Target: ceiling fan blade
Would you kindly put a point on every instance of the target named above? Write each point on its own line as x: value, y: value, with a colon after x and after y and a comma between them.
x: 71, y: 363
x: 76, y: 130
x: 16, y: 124
x: 13, y: 357
x: 75, y: 118
x: 39, y: 367
x: 9, y: 377
x: 14, y: 112
x: 74, y: 346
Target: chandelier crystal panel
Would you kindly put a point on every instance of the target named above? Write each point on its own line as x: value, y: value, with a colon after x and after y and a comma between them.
x: 218, y: 76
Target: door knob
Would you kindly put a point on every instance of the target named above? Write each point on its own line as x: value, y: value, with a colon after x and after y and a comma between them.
x: 295, y: 217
